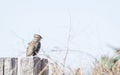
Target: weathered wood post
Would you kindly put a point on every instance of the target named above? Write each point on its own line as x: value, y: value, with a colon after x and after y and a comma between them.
x: 10, y: 66
x: 23, y: 66
x: 33, y: 66
x: 26, y: 66
x: 1, y: 66
x: 37, y: 65
x: 44, y: 66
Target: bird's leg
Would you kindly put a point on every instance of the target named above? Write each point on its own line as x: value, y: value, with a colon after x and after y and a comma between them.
x: 34, y: 53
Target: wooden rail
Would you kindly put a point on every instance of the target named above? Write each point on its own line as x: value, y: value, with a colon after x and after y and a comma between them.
x: 23, y: 66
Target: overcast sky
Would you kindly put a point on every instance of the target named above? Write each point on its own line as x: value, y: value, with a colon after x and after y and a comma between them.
x: 94, y: 24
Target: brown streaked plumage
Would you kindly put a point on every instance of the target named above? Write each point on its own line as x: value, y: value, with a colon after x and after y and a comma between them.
x: 34, y: 46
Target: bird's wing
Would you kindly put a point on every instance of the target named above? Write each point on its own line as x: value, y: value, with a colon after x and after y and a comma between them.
x: 30, y: 50
x: 37, y: 47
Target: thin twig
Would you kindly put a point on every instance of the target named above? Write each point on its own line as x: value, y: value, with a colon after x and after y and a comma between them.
x: 69, y: 37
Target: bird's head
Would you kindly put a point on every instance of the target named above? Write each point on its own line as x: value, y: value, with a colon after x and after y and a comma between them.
x: 37, y: 37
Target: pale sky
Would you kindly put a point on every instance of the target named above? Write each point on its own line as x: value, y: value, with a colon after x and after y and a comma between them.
x: 95, y: 23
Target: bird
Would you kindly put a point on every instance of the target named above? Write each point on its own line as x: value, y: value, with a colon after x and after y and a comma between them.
x: 34, y: 46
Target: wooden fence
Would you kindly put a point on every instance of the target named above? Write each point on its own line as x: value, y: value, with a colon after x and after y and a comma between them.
x: 23, y: 66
